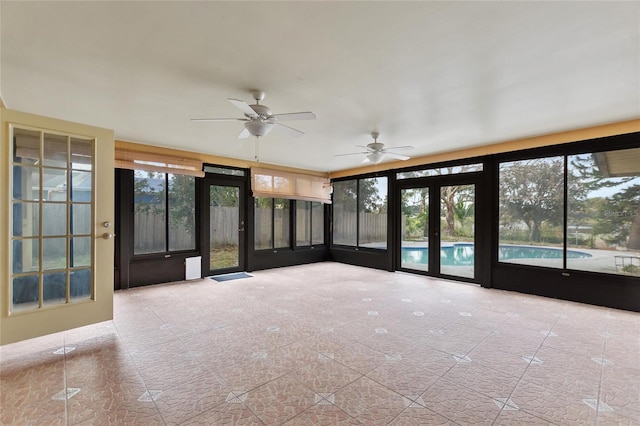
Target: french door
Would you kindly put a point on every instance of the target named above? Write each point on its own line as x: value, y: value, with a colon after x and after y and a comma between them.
x: 56, y: 224
x: 437, y: 228
x: 225, y: 225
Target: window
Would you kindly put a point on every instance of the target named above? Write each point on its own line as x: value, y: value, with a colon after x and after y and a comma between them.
x: 531, y: 212
x: 360, y: 213
x: 164, y: 212
x: 467, y: 168
x: 603, y: 213
x: 309, y: 223
x: 272, y: 224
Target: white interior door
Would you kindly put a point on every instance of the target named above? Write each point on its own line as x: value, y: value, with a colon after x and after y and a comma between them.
x: 56, y: 224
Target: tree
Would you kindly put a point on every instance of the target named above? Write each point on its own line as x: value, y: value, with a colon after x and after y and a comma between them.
x: 532, y: 191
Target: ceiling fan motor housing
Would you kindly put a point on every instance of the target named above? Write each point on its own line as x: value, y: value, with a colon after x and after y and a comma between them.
x: 262, y: 110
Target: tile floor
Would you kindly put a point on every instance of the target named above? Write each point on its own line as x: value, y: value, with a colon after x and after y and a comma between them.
x: 327, y: 344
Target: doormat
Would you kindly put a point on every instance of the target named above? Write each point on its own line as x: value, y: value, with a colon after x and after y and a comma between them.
x: 229, y: 277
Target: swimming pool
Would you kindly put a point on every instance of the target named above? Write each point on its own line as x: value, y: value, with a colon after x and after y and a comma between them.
x: 463, y: 254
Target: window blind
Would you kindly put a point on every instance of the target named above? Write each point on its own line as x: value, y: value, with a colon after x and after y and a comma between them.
x: 136, y: 160
x: 271, y: 183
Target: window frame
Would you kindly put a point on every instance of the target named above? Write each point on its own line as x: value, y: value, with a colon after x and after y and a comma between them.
x: 167, y: 252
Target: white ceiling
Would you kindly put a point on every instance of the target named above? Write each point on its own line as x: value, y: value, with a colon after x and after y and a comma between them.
x: 436, y: 75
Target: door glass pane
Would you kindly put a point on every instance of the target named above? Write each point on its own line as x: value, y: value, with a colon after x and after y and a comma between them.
x: 303, y: 223
x: 149, y: 212
x: 80, y: 284
x: 372, y: 211
x: 54, y: 185
x: 532, y: 212
x: 603, y: 215
x: 80, y: 219
x: 54, y: 253
x: 26, y: 219
x: 457, y: 230
x: 415, y: 228
x: 317, y: 223
x: 80, y: 249
x: 26, y: 255
x: 345, y: 212
x: 224, y: 237
x: 182, y: 212
x: 26, y: 183
x: 80, y: 186
x: 55, y: 222
x: 281, y: 223
x: 81, y: 154
x: 263, y: 224
x: 55, y: 151
x: 54, y: 288
x: 25, y: 293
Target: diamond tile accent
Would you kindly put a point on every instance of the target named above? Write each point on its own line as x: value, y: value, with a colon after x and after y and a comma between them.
x: 65, y: 350
x: 324, y: 356
x: 548, y: 333
x: 436, y: 331
x: 362, y: 289
x: 506, y: 404
x: 381, y: 330
x: 406, y: 300
x: 602, y: 361
x: 366, y: 299
x: 533, y: 360
x: 327, y: 312
x: 325, y: 399
x: 465, y: 314
x: 462, y: 358
x: 594, y: 404
x: 326, y: 329
x: 233, y: 399
x: 259, y: 355
x: 396, y: 357
x: 372, y: 313
x: 62, y: 395
x: 273, y: 328
x: 512, y: 314
x: 446, y: 300
x: 414, y: 401
x: 150, y: 395
x: 282, y: 311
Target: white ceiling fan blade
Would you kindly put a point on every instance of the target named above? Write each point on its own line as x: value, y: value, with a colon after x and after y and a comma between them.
x: 288, y: 130
x: 295, y: 116
x: 218, y: 119
x: 243, y: 106
x: 399, y: 148
x: 396, y: 156
x: 244, y: 134
x: 366, y: 160
x: 352, y: 153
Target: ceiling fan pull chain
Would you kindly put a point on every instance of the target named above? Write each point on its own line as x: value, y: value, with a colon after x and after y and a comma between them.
x: 257, y: 155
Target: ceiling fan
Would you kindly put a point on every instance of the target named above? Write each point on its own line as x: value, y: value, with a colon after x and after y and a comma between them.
x: 376, y: 152
x: 258, y: 119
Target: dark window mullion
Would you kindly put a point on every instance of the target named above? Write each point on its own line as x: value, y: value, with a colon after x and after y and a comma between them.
x: 565, y: 213
x: 273, y: 223
x: 166, y: 212
x: 357, y: 213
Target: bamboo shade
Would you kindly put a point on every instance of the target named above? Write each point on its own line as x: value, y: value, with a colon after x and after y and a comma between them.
x: 135, y: 160
x: 271, y: 183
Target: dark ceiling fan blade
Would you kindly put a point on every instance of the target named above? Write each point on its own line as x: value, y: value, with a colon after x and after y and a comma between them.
x: 396, y: 156
x: 291, y: 116
x: 398, y: 148
x: 352, y: 153
x: 288, y: 130
x: 243, y: 106
x: 218, y: 119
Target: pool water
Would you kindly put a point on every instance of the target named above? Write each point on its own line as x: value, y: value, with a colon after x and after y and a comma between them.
x: 463, y: 254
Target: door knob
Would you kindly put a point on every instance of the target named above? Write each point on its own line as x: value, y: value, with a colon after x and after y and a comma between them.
x: 108, y: 236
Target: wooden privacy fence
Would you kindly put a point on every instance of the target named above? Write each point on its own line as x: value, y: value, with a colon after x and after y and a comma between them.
x: 373, y: 227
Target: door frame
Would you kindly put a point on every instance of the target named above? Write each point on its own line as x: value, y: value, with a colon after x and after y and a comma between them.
x: 205, y: 226
x: 434, y: 184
